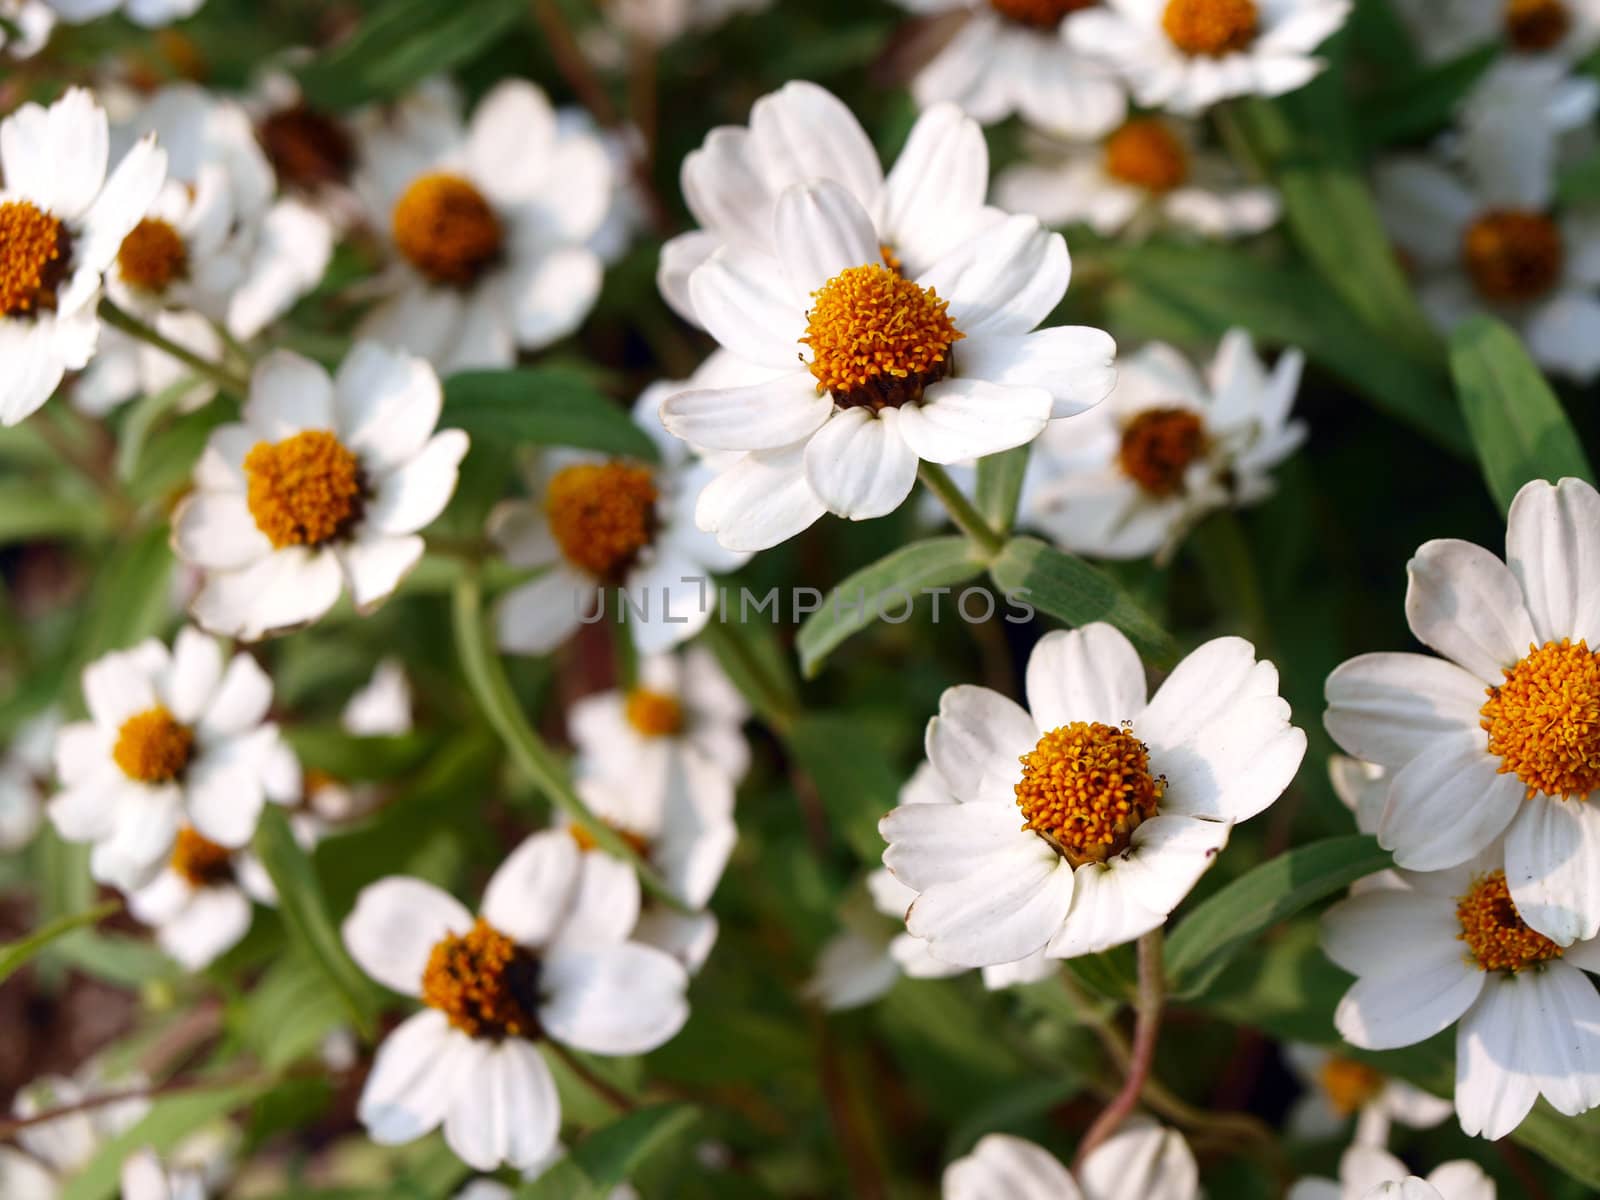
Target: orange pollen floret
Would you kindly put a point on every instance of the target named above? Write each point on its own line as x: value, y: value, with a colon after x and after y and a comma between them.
x: 1085, y: 788
x: 445, y: 227
x: 1157, y: 447
x: 1147, y: 154
x: 1535, y: 25
x: 637, y: 842
x: 200, y: 861
x: 877, y: 339
x: 1211, y: 28
x: 602, y: 515
x: 1349, y: 1085
x: 1497, y: 937
x: 153, y: 746
x: 486, y: 984
x: 1513, y: 256
x: 654, y: 714
x: 1042, y: 14
x: 34, y: 257
x: 152, y: 256
x: 1544, y: 720
x: 305, y: 490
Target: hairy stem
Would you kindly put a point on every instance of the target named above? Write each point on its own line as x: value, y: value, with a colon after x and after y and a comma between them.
x: 1147, y: 1026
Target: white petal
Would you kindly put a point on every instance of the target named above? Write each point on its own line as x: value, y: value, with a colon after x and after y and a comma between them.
x: 528, y: 896
x: 288, y: 394
x: 802, y: 132
x: 1144, y: 1160
x: 1447, y: 804
x: 216, y: 530
x: 224, y: 796
x: 604, y: 901
x: 761, y: 501
x: 1087, y: 674
x: 1386, y: 708
x: 1002, y: 1167
x: 859, y: 465
x: 1389, y: 932
x: 510, y: 1113
x: 538, y: 616
x: 820, y: 230
x: 1466, y: 604
x: 213, y: 922
x: 1553, y: 865
x: 930, y: 844
x: 1005, y: 908
x: 414, y: 1079
x: 193, y: 677
x: 1074, y: 363
x: 240, y: 702
x: 1553, y: 549
x: 977, y: 742
x: 963, y: 418
x: 761, y: 416
x: 387, y: 404
x: 1495, y: 1086
x: 121, y: 684
x: 1105, y: 913
x: 290, y: 587
x: 1004, y: 281
x: 1167, y: 857
x: 1382, y: 1012
x: 394, y: 927
x: 625, y: 999
x: 744, y: 300
x: 551, y: 295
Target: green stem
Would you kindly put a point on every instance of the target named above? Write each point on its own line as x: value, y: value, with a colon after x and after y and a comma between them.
x: 119, y: 318
x: 492, y: 690
x: 967, y: 518
x: 767, y: 696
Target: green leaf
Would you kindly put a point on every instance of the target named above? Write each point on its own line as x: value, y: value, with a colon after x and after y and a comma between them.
x: 891, y: 585
x: 1579, y: 183
x: 289, y: 1012
x: 31, y: 511
x: 1028, y: 571
x: 853, y: 777
x: 1423, y: 103
x: 113, y: 958
x: 757, y: 665
x: 1517, y: 424
x: 14, y: 955
x: 1000, y: 485
x: 346, y: 756
x: 563, y: 1180
x: 610, y: 1156
x: 1209, y: 937
x: 169, y: 457
x: 546, y: 406
x: 131, y: 598
x: 305, y: 915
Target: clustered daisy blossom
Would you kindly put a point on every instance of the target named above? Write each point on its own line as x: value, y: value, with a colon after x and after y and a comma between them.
x: 1141, y: 1162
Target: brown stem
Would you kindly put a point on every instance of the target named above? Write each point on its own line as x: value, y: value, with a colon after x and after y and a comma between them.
x: 1152, y: 995
x: 613, y: 1095
x: 855, y: 1142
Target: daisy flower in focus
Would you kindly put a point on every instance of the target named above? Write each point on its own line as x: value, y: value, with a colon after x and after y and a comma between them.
x: 175, y: 739
x: 324, y: 485
x: 488, y: 225
x: 1147, y: 173
x: 885, y: 368
x: 1496, y: 736
x: 599, y: 524
x: 1141, y: 1161
x: 493, y: 988
x: 199, y: 904
x: 61, y: 222
x: 33, y: 21
x: 1447, y: 29
x: 1479, y: 223
x: 1338, y: 1088
x: 1364, y: 1169
x: 24, y: 771
x: 52, y: 1152
x: 1083, y: 820
x: 1132, y: 477
x: 152, y: 14
x: 1453, y: 947
x: 1185, y: 55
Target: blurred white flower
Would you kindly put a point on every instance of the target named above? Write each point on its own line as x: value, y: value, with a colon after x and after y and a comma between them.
x: 661, y: 21
x: 24, y: 772
x: 145, y: 1178
x: 1141, y: 1161
x: 200, y: 902
x: 1338, y: 1088
x: 1365, y: 1169
x: 33, y: 20
x: 1447, y: 29
x: 149, y: 13
x: 52, y: 1152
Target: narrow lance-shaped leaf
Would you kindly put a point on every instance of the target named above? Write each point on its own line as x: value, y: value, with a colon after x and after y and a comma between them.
x: 547, y: 406
x: 15, y: 955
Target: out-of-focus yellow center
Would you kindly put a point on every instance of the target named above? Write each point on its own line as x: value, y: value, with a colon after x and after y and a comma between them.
x: 1211, y: 28
x: 203, y: 863
x: 1085, y: 788
x: 34, y: 254
x: 601, y: 515
x: 485, y: 983
x: 1145, y: 153
x: 153, y: 747
x: 1497, y: 937
x: 1544, y: 720
x: 1535, y: 25
x: 637, y: 842
x: 654, y: 714
x: 1041, y: 14
x: 1513, y: 256
x: 448, y: 231
x: 1349, y: 1085
x: 305, y: 490
x: 153, y: 256
x: 1157, y: 447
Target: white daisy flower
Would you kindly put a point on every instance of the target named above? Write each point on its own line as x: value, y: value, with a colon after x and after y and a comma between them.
x: 1409, y: 1188
x: 1338, y: 1088
x: 174, y: 739
x: 1446, y: 29
x: 61, y: 222
x: 1497, y: 736
x: 150, y: 13
x: 494, y: 987
x: 325, y: 484
x: 1454, y: 946
x: 200, y: 903
x: 1132, y: 477
x: 145, y: 1178
x: 1011, y: 56
x: 24, y: 770
x: 33, y: 22
x: 1040, y: 850
x: 853, y: 969
x: 1141, y: 1161
x: 662, y: 21
x: 1148, y: 173
x: 1479, y: 225
x: 1364, y: 1169
x: 1185, y: 55
x: 884, y: 369
x: 606, y: 524
x: 488, y: 225
x: 312, y: 152
x: 50, y: 1153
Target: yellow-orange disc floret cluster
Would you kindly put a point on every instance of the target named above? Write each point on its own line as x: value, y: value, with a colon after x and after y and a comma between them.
x: 601, y: 515
x: 1536, y: 25
x: 447, y: 229
x: 1544, y: 720
x: 153, y: 746
x: 485, y: 983
x: 33, y: 258
x: 1513, y: 256
x: 200, y: 861
x: 1145, y: 153
x: 305, y: 490
x: 1041, y: 14
x: 1211, y: 28
x: 1085, y: 788
x: 153, y: 256
x: 877, y: 339
x: 637, y: 842
x: 1349, y: 1085
x: 1497, y: 937
x: 1157, y: 447
x: 654, y: 714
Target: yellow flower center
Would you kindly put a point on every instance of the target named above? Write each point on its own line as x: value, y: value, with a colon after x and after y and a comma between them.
x: 34, y: 257
x: 1210, y: 28
x: 1147, y: 154
x: 486, y: 984
x: 637, y: 842
x: 1085, y: 788
x: 153, y: 747
x: 1042, y: 14
x: 1544, y: 720
x: 152, y: 256
x: 602, y: 515
x: 305, y: 490
x: 1349, y: 1085
x: 202, y: 862
x: 654, y: 714
x: 1535, y: 25
x: 878, y: 339
x: 1497, y: 937
x: 1512, y: 256
x: 307, y: 148
x: 1157, y: 447
x: 447, y: 229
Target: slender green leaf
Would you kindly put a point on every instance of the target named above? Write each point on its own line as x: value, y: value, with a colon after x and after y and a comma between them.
x: 168, y: 458
x: 1518, y: 425
x: 1423, y: 103
x: 1068, y: 588
x: 547, y: 406
x: 563, y: 1180
x: 1209, y: 937
x: 14, y: 955
x: 855, y: 780
x: 757, y: 665
x: 1579, y: 182
x: 131, y: 598
x: 346, y: 756
x: 114, y: 958
x: 143, y: 417
x: 1000, y: 486
x: 610, y: 1156
x: 886, y: 590
x: 32, y: 511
